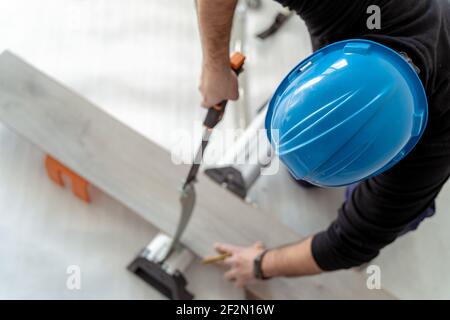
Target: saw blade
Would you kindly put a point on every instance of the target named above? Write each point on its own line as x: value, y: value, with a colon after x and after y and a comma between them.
x: 187, y: 201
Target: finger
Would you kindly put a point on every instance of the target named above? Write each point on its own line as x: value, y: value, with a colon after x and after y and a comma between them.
x: 204, y: 104
x: 240, y: 283
x: 235, y: 95
x: 221, y: 264
x: 230, y: 275
x: 208, y: 103
x: 231, y: 261
x: 226, y: 248
x: 259, y: 245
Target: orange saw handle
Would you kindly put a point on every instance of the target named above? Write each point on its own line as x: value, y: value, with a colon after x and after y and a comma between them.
x: 215, y: 113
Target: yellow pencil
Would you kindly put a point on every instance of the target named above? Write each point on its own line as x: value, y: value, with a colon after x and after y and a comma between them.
x: 216, y: 258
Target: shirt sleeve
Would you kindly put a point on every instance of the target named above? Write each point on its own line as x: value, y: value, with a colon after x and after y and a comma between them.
x: 380, y: 208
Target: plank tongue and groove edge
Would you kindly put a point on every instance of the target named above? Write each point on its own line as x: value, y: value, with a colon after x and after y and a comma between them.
x: 140, y: 174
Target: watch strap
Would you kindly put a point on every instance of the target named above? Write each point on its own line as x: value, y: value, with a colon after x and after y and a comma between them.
x: 257, y: 266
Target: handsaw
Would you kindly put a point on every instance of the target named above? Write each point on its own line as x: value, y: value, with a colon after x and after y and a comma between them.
x: 187, y: 194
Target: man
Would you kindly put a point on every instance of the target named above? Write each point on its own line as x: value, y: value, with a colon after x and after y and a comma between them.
x: 380, y: 208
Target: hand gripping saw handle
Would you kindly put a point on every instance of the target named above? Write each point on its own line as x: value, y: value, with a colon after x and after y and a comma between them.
x: 187, y: 197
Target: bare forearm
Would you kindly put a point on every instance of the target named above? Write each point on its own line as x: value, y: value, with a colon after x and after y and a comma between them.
x: 291, y: 261
x: 215, y: 19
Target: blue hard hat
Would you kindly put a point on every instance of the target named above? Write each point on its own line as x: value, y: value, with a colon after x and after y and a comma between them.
x: 348, y: 112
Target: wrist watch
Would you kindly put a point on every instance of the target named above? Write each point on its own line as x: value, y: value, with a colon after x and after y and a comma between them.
x: 257, y: 266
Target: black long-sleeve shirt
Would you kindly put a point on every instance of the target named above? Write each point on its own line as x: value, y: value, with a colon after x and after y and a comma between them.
x: 381, y: 207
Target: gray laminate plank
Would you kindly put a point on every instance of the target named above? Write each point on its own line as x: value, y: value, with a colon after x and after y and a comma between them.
x: 44, y: 229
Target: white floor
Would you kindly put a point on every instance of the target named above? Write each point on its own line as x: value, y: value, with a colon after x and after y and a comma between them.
x: 140, y: 61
